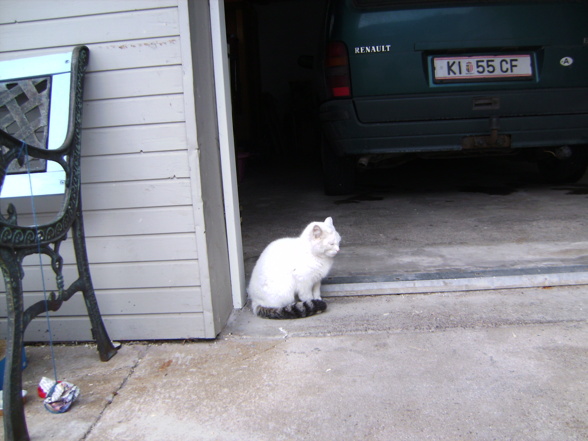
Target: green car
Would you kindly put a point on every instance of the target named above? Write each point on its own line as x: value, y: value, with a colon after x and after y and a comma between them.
x: 404, y: 79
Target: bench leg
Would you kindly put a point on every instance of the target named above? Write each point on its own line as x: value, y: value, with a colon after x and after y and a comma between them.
x: 105, y: 347
x: 15, y: 427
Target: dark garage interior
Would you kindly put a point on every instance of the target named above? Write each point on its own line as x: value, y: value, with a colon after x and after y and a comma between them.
x: 272, y: 94
x: 434, y: 219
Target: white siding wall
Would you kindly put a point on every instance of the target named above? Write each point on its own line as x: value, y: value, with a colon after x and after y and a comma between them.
x: 141, y: 191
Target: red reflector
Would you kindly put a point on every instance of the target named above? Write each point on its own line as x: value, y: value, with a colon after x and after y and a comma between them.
x: 340, y: 91
x: 337, y: 70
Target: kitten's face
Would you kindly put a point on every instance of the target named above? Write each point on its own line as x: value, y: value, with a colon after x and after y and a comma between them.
x: 326, y: 238
x: 332, y: 245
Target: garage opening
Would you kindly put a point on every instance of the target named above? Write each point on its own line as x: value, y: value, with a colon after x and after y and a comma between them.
x: 423, y: 226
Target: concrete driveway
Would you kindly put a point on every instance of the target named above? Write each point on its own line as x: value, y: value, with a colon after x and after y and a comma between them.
x: 458, y: 359
x: 481, y: 365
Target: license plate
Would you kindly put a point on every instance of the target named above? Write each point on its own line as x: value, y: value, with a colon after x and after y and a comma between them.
x: 483, y: 68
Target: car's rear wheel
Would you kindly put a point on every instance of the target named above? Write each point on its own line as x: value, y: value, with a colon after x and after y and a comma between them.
x: 566, y: 165
x: 338, y: 172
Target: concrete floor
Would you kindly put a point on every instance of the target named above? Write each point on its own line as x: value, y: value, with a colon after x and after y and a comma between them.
x: 444, y: 218
x: 484, y: 365
x: 451, y: 364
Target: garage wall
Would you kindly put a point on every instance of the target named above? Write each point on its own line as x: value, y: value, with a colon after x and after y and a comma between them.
x: 142, y: 193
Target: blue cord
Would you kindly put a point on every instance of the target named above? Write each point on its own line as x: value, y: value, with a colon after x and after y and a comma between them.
x: 24, y: 150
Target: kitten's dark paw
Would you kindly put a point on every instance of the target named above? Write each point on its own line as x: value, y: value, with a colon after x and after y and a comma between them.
x: 319, y: 305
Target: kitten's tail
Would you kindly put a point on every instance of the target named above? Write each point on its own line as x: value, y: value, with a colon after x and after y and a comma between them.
x: 292, y: 311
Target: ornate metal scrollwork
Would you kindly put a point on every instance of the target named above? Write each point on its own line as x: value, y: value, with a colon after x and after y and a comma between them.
x: 17, y: 242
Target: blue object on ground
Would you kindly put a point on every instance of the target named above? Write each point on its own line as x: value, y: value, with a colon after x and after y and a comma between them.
x: 2, y: 363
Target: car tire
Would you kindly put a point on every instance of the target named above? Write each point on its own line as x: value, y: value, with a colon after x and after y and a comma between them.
x: 338, y: 172
x: 565, y: 170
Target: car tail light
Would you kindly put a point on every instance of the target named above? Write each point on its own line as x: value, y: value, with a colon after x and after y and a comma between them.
x: 337, y: 70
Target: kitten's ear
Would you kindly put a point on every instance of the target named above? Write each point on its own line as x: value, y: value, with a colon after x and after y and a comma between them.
x: 329, y: 221
x: 316, y: 231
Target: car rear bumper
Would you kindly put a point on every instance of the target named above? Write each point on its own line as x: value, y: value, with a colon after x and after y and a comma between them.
x: 413, y: 124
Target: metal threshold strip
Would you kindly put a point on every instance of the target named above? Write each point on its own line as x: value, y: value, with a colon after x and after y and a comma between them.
x: 455, y: 280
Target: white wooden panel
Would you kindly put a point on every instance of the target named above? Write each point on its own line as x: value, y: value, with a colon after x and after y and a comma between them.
x: 117, y: 55
x: 146, y: 301
x: 30, y: 10
x: 150, y: 301
x: 133, y: 111
x: 120, y: 328
x: 138, y: 189
x: 137, y: 53
x: 172, y: 247
x: 125, y: 222
x: 129, y: 301
x: 144, y: 194
x: 145, y: 252
x: 106, y: 250
x: 90, y: 29
x: 114, y: 223
x: 135, y: 167
x: 146, y: 275
x: 134, y: 139
x: 121, y: 275
x: 139, y: 248
x: 163, y: 80
x: 157, y: 327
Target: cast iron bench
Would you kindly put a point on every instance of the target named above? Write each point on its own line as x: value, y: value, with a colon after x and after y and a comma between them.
x: 40, y: 129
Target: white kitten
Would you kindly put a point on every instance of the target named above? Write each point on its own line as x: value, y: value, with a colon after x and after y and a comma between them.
x: 294, y: 267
